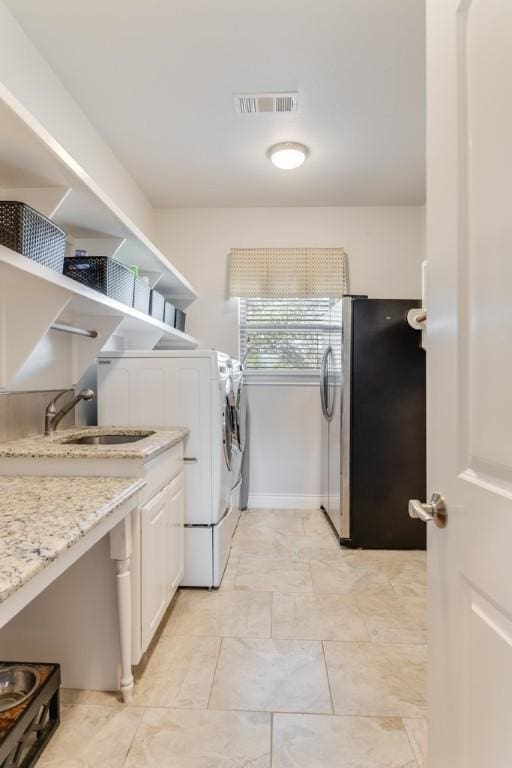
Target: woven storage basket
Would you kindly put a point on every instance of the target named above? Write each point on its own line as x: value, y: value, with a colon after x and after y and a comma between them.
x: 179, y: 319
x: 103, y: 274
x: 157, y: 305
x: 28, y: 232
x: 141, y: 294
x: 169, y: 313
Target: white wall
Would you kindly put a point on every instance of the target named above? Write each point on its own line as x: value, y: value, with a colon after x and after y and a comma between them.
x: 26, y: 74
x: 385, y: 247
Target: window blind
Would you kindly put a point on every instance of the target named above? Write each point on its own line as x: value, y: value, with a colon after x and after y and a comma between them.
x: 287, y: 335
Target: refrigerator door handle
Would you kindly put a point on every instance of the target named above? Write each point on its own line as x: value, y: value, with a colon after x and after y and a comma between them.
x: 323, y: 384
x: 327, y: 410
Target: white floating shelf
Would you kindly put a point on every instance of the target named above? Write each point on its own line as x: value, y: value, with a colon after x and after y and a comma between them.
x: 33, y: 297
x: 36, y: 169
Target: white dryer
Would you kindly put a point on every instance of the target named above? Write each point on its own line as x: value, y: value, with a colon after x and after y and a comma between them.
x: 192, y: 389
x: 239, y: 419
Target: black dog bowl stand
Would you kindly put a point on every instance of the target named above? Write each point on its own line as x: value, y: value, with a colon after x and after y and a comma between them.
x: 26, y: 728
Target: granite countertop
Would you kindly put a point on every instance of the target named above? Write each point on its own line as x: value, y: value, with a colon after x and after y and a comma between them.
x: 42, y: 517
x: 55, y: 447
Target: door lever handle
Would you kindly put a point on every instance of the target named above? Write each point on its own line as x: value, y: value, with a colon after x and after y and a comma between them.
x: 434, y: 510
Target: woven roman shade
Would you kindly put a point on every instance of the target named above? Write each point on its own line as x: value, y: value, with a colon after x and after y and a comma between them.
x: 283, y: 273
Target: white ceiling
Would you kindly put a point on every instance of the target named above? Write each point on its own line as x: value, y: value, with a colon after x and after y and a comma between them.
x: 156, y: 77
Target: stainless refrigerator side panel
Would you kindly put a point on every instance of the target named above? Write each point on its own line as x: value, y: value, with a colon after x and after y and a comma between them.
x: 335, y: 399
x: 325, y: 427
x: 324, y: 468
x: 346, y: 356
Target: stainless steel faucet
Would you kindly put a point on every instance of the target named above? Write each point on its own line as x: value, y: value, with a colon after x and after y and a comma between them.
x: 52, y: 416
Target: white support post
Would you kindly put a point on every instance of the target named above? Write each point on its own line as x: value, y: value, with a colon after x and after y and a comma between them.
x: 120, y: 552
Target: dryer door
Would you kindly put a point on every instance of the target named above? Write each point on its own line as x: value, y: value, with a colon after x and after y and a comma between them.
x: 227, y: 422
x: 240, y: 414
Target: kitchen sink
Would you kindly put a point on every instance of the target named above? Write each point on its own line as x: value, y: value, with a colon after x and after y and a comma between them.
x: 107, y: 439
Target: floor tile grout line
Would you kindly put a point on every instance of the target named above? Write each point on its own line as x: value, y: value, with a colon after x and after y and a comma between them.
x: 271, y: 739
x: 132, y: 740
x: 328, y: 678
x: 365, y: 624
x: 311, y: 577
x: 300, y: 638
x: 272, y: 711
x: 253, y: 710
x: 214, y: 673
x: 414, y: 754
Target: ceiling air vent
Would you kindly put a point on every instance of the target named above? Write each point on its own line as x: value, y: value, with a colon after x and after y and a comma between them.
x: 254, y: 103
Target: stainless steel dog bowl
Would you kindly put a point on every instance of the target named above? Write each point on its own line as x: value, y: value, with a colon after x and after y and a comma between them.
x: 17, y: 683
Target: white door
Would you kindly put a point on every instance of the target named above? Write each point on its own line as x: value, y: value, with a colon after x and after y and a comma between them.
x: 175, y: 522
x: 154, y: 568
x: 469, y: 354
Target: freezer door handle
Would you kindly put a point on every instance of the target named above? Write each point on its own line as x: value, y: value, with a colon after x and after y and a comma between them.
x: 322, y: 380
x: 324, y: 384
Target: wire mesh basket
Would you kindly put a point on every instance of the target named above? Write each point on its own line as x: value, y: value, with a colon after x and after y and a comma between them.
x: 28, y: 232
x: 141, y: 295
x: 103, y: 274
x: 179, y: 319
x: 157, y: 305
x: 169, y: 313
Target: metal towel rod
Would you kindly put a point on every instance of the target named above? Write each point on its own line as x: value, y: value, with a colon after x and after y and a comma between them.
x: 66, y: 328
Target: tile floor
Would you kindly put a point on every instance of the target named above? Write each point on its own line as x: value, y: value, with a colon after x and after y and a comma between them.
x: 308, y: 656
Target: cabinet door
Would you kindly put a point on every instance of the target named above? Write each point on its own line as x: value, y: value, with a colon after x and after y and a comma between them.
x: 154, y: 569
x: 176, y: 514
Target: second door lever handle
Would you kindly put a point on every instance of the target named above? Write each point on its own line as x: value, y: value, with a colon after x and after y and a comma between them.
x: 434, y: 510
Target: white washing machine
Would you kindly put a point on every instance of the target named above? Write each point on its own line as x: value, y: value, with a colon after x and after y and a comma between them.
x: 194, y: 389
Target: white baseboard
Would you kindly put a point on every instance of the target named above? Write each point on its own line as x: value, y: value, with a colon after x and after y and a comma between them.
x: 283, y: 501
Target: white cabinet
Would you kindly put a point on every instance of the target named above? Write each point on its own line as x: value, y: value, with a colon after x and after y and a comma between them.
x: 157, y: 557
x: 154, y: 548
x: 176, y: 558
x: 162, y: 546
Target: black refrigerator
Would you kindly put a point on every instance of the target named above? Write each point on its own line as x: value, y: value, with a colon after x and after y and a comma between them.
x: 372, y: 393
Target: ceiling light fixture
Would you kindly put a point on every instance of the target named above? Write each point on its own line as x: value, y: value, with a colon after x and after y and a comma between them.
x: 288, y: 155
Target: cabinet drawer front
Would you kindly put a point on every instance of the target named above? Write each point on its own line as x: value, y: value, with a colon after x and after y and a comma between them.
x: 160, y: 471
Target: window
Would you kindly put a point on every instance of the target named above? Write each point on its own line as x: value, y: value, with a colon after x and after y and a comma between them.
x: 283, y: 335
